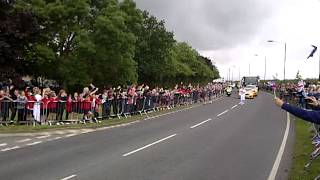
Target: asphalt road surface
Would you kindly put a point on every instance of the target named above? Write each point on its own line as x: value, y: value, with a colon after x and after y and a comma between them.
x: 218, y: 141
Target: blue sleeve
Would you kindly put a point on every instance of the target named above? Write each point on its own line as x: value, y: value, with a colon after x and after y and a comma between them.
x: 310, y: 116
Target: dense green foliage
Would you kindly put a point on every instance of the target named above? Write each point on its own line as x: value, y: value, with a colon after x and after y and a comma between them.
x: 107, y: 42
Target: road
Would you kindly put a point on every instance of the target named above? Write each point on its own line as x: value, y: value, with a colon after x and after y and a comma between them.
x: 222, y: 140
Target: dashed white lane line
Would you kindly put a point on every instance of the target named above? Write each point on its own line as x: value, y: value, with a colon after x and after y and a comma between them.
x: 70, y: 135
x: 276, y: 164
x: 234, y: 106
x: 149, y: 145
x: 24, y: 140
x: 42, y: 137
x: 69, y: 177
x: 11, y: 148
x: 34, y: 143
x: 199, y: 124
x: 223, y: 112
x: 3, y: 144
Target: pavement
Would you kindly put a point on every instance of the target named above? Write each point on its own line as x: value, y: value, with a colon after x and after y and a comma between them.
x: 222, y: 140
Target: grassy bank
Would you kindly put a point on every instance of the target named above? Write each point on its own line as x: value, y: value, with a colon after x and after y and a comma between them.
x: 302, y: 150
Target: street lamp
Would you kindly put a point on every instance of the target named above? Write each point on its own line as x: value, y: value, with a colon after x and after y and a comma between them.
x: 285, y: 56
x: 265, y: 66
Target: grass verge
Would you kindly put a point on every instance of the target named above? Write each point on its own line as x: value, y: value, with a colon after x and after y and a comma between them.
x: 301, y: 154
x: 111, y: 122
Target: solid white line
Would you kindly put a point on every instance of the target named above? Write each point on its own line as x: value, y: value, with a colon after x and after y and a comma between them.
x: 234, y: 106
x: 34, y: 143
x: 200, y: 123
x: 223, y: 113
x: 149, y: 145
x: 3, y: 144
x: 42, y: 137
x: 8, y: 149
x: 276, y: 164
x: 69, y: 177
x: 24, y: 140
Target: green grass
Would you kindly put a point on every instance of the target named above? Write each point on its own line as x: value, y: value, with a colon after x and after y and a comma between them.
x: 302, y: 150
x: 104, y: 123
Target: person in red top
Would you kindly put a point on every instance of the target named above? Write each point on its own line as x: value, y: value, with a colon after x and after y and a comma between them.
x: 31, y: 100
x: 86, y: 107
x: 68, y: 106
x: 52, y: 105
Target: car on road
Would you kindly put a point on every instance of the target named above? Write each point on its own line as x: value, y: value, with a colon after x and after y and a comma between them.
x: 250, y: 94
x: 254, y: 89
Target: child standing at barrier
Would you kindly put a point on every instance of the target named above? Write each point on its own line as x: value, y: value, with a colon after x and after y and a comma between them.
x: 21, y: 107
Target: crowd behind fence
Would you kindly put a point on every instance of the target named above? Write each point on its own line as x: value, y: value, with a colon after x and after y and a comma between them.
x: 89, y: 106
x: 296, y: 94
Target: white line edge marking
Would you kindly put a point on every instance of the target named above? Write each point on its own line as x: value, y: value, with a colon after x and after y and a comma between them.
x: 8, y: 149
x: 70, y: 135
x: 69, y: 177
x: 223, y: 112
x: 276, y: 164
x: 42, y: 137
x: 234, y: 106
x: 199, y: 124
x: 3, y: 144
x: 34, y: 143
x: 24, y: 140
x: 149, y: 145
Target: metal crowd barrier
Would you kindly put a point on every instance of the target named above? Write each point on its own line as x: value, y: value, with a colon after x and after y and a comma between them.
x: 60, y: 112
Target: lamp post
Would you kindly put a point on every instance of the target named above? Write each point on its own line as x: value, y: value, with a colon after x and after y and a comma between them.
x: 285, y: 56
x: 265, y: 66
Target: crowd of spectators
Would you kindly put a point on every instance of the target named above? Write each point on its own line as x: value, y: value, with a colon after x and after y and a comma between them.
x: 47, y: 106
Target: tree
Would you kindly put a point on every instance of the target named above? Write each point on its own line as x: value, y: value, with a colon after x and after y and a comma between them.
x: 19, y: 31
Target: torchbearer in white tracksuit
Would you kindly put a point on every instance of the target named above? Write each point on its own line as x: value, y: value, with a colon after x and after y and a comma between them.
x: 242, y: 94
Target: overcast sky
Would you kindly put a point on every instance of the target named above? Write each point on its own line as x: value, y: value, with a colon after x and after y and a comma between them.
x: 231, y: 32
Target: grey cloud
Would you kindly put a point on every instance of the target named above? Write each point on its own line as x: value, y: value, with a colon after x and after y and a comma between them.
x: 211, y: 24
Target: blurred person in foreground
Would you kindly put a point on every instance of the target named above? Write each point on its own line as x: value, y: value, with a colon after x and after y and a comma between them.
x: 306, y: 115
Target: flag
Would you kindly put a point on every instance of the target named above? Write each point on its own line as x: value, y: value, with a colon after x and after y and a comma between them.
x: 313, y: 51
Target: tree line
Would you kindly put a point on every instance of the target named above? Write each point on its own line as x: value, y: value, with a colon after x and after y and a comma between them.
x: 77, y: 42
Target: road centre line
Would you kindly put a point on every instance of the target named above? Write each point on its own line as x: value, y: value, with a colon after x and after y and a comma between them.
x: 42, y: 137
x: 223, y: 112
x: 8, y: 149
x: 34, y: 143
x: 276, y: 164
x: 70, y: 135
x: 69, y: 177
x: 24, y: 140
x: 3, y: 144
x: 199, y: 124
x: 149, y: 145
x: 234, y: 106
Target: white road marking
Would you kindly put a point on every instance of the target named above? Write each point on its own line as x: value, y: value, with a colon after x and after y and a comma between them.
x: 8, y: 149
x: 276, y: 164
x: 3, y: 144
x: 223, y: 112
x: 69, y: 177
x: 149, y: 145
x: 70, y: 135
x: 234, y: 106
x: 42, y: 137
x: 24, y: 140
x: 199, y: 124
x: 34, y: 143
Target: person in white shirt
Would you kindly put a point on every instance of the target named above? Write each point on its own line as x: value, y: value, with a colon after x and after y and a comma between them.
x: 37, y: 106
